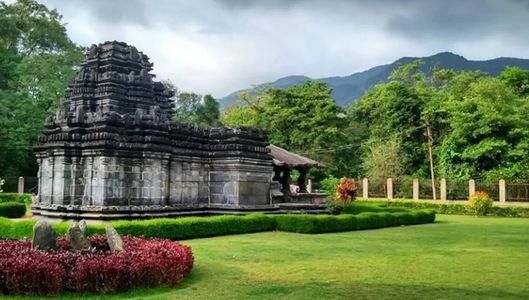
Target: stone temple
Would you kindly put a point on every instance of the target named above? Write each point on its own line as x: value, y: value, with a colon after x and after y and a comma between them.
x: 112, y: 151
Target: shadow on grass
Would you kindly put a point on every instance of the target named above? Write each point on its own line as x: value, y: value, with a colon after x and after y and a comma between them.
x: 441, y: 222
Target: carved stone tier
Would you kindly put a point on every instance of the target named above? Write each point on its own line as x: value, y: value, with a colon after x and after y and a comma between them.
x: 112, y: 151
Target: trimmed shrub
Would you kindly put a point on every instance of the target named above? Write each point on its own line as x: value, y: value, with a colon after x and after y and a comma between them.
x: 197, y: 227
x: 509, y: 211
x: 356, y: 208
x: 14, y: 197
x: 12, y: 209
x: 143, y: 263
x: 479, y: 203
x: 448, y: 208
x: 348, y: 222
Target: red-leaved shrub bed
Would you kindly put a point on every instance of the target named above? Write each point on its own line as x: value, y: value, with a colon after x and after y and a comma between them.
x: 143, y: 263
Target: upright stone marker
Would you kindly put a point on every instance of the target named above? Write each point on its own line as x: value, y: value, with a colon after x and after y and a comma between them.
x: 113, y: 239
x: 78, y: 240
x: 83, y: 227
x: 43, y: 236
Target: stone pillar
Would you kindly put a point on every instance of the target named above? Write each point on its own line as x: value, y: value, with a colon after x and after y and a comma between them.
x: 390, y: 188
x: 302, y: 180
x: 502, y: 189
x: 471, y: 187
x: 415, y: 189
x: 21, y: 185
x: 365, y: 188
x: 443, y: 189
x: 309, y: 186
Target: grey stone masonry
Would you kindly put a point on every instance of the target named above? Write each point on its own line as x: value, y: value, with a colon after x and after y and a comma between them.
x: 111, y: 151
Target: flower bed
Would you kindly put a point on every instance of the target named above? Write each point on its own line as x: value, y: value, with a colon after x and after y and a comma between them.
x: 143, y: 263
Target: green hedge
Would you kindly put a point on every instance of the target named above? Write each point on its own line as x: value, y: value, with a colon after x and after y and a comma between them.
x: 14, y: 197
x: 12, y: 209
x: 196, y: 227
x: 348, y: 222
x: 453, y: 208
x: 360, y: 207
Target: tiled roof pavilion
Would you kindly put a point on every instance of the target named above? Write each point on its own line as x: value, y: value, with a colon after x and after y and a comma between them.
x: 291, y: 160
x: 285, y: 161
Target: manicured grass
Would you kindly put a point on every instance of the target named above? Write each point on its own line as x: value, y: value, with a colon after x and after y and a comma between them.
x: 458, y: 257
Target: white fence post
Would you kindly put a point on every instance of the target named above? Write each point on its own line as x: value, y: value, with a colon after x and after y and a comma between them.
x: 390, y: 188
x: 21, y: 185
x: 365, y: 188
x: 415, y: 189
x: 502, y: 189
x: 443, y: 189
x: 471, y: 187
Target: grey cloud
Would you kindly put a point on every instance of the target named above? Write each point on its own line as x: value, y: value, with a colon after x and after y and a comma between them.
x: 217, y: 46
x: 106, y: 11
x: 261, y: 4
x: 460, y: 20
x: 121, y: 11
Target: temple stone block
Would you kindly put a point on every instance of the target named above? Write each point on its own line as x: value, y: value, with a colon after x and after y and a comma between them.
x: 112, y: 151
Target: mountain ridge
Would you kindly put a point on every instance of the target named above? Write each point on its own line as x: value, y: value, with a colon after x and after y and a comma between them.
x: 348, y: 88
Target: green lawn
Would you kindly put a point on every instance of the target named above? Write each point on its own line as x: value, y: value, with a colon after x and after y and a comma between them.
x: 459, y: 257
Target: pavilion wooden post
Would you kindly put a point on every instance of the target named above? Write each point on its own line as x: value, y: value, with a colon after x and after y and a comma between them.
x: 277, y: 174
x: 302, y: 180
x: 285, y: 182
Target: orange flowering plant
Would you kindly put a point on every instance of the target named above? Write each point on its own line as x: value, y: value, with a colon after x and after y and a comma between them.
x: 346, y: 190
x: 479, y: 203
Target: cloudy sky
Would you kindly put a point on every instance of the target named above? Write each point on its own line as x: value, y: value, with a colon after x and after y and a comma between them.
x: 218, y: 46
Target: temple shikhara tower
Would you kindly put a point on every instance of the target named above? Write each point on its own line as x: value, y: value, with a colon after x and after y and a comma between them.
x: 112, y: 151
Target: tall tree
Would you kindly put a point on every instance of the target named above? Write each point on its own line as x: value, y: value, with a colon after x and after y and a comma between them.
x: 208, y: 113
x: 195, y: 109
x: 384, y: 159
x: 394, y: 110
x: 303, y: 118
x: 37, y: 60
x: 489, y: 133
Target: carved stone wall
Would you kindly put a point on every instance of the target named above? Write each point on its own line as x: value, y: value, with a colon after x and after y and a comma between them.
x: 112, y: 151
